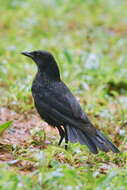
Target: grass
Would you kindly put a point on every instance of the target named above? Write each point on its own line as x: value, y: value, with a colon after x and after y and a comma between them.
x: 88, y: 39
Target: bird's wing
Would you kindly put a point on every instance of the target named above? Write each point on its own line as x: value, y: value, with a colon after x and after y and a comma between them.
x: 75, y: 107
x: 68, y: 103
x: 65, y: 108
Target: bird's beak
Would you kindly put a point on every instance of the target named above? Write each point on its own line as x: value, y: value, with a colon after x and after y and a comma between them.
x: 29, y: 54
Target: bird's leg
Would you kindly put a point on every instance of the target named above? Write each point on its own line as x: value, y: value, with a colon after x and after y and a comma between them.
x: 62, y: 134
x: 66, y: 138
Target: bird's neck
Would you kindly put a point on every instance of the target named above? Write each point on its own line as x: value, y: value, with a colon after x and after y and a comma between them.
x: 50, y: 73
x: 48, y: 76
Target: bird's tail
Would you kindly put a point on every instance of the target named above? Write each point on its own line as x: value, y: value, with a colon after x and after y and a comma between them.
x: 94, y: 142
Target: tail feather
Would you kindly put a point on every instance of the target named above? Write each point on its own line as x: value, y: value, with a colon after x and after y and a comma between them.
x: 101, y: 146
x: 72, y: 134
x: 98, y: 141
x: 76, y: 135
x: 83, y: 138
x: 108, y: 143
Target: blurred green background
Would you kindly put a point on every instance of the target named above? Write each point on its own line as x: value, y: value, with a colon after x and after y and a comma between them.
x: 89, y: 41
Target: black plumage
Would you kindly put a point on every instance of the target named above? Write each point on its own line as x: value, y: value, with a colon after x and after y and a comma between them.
x: 59, y: 108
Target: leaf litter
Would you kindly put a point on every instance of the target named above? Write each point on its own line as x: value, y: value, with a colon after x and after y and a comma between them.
x: 22, y: 134
x: 28, y: 134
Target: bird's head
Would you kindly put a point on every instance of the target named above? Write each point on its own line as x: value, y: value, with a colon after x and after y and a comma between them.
x: 41, y: 58
x: 44, y: 61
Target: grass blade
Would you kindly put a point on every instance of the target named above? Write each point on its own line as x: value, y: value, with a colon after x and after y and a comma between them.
x: 4, y: 126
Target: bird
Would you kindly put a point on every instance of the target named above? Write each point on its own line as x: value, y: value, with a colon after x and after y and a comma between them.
x: 56, y: 105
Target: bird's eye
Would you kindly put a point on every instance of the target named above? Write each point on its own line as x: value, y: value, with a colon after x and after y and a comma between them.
x: 37, y: 53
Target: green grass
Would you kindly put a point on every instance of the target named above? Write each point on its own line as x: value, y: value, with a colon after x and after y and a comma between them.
x: 89, y: 40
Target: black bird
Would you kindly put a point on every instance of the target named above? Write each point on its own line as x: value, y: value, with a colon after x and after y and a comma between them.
x: 59, y: 108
